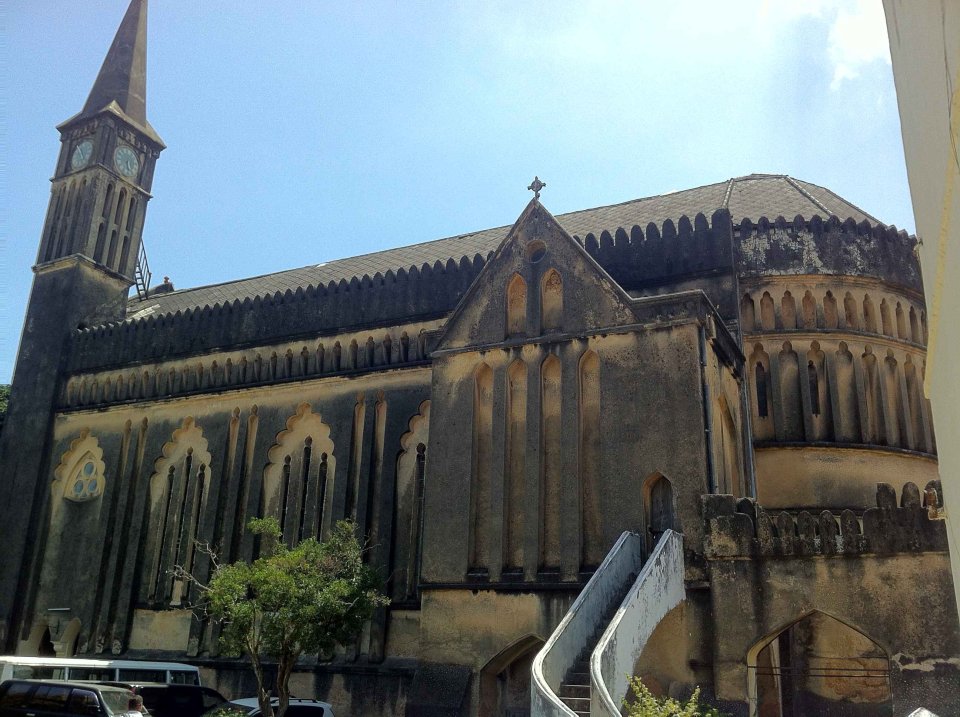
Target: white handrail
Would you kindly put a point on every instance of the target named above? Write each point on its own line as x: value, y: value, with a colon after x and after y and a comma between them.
x: 557, y: 656
x: 658, y: 589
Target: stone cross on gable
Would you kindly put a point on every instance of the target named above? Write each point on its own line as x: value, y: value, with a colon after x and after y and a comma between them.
x: 535, y: 186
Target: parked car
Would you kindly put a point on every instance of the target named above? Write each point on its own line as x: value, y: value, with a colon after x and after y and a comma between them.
x: 166, y: 700
x: 42, y: 698
x: 250, y: 707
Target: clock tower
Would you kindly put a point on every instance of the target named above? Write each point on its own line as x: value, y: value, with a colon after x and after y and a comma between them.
x: 86, y: 264
x: 108, y: 151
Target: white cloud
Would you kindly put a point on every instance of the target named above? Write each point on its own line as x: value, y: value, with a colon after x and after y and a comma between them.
x: 857, y: 35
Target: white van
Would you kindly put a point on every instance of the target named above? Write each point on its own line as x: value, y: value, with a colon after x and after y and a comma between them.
x: 93, y: 670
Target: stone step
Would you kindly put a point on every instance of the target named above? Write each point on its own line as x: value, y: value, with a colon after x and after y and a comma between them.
x: 577, y: 678
x: 568, y: 690
x: 577, y: 704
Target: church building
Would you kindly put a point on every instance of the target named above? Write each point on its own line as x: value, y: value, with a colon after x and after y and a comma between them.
x: 683, y: 437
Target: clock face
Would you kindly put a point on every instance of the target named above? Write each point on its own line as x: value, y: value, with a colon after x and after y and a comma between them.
x: 81, y: 154
x: 126, y: 162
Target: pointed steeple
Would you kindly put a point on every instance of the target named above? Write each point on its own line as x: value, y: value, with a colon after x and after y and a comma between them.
x: 123, y: 76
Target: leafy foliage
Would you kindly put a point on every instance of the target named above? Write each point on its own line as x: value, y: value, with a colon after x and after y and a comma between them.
x: 646, y: 704
x: 292, y: 601
x: 4, y: 400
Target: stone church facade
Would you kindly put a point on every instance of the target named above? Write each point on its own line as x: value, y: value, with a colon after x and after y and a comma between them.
x: 741, y: 363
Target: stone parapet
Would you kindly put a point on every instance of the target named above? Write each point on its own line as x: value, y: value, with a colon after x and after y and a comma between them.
x: 737, y: 529
x: 414, y: 294
x: 831, y: 246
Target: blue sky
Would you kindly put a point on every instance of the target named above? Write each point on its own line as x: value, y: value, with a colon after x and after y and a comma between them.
x: 303, y: 132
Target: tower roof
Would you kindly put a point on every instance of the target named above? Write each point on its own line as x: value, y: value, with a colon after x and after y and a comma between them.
x: 121, y: 84
x: 123, y: 76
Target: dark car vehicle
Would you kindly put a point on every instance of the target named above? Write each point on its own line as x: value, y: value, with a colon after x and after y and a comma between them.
x: 167, y: 700
x: 39, y: 698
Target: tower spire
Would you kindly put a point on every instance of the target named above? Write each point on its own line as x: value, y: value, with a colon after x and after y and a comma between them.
x: 123, y: 76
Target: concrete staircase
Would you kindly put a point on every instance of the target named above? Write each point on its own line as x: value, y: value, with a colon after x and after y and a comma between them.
x: 575, y: 688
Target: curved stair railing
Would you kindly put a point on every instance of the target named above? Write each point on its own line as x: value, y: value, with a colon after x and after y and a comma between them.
x: 573, y: 640
x: 659, y: 588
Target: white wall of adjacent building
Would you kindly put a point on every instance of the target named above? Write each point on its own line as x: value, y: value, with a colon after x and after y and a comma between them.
x: 925, y: 49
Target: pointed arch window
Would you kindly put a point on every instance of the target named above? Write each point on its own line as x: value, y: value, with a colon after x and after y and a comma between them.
x: 516, y: 306
x: 761, y: 381
x: 481, y: 469
x: 551, y: 301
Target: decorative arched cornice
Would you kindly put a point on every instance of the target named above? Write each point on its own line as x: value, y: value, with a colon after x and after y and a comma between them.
x: 80, y: 473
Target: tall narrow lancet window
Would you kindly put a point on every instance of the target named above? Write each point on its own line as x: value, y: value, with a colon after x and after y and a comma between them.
x: 408, y: 507
x: 551, y: 301
x: 915, y: 334
x: 516, y: 306
x: 481, y: 469
x: 814, y: 384
x: 593, y: 549
x: 874, y: 424
x: 748, y: 318
x: 915, y: 405
x: 830, y: 317
x: 284, y: 497
x: 551, y: 464
x: 513, y: 512
x: 895, y: 416
x: 198, y: 491
x: 356, y: 457
x: 371, y: 516
x: 821, y: 414
x: 809, y: 311
x: 763, y: 409
x: 762, y: 393
x: 885, y: 321
x: 788, y: 311
x: 304, y: 481
x: 848, y: 428
x: 166, y: 505
x: 850, y: 313
x: 767, y: 316
x: 791, y: 404
x: 869, y: 314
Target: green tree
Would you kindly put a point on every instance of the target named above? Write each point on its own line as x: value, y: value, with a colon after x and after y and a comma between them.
x: 291, y: 601
x: 646, y: 704
x: 4, y: 400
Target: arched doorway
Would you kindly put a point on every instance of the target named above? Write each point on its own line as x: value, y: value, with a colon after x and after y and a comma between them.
x: 818, y: 665
x: 658, y: 507
x: 505, y: 680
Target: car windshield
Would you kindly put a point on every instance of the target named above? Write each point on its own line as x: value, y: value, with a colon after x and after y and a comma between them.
x: 117, y: 701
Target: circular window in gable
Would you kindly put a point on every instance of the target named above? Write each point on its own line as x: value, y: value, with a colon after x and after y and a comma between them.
x: 536, y: 250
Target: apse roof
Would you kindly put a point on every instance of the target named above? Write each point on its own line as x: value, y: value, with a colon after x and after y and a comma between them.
x: 752, y: 197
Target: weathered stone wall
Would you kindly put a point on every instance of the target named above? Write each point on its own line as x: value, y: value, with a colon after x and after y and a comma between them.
x: 234, y: 435
x: 888, y: 580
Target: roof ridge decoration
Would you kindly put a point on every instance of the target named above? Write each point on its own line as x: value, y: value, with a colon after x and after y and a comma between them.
x: 793, y: 183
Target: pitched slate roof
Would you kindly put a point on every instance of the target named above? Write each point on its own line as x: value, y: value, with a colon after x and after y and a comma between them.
x: 750, y: 197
